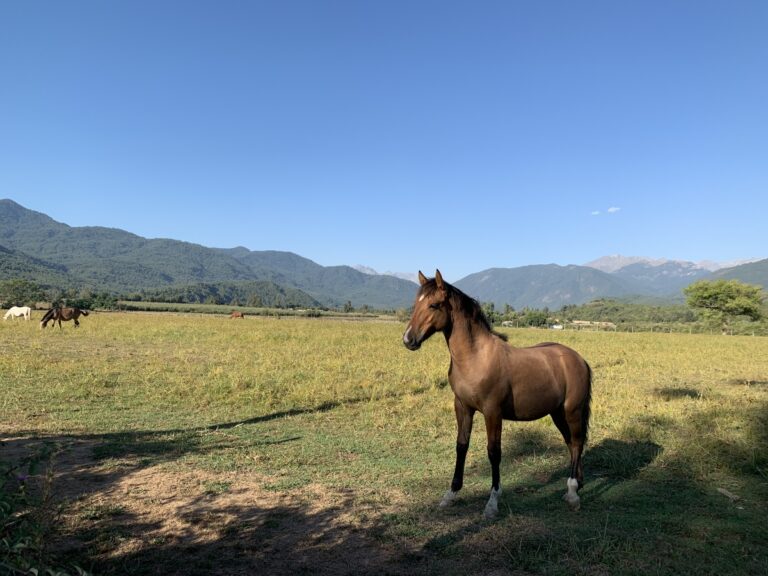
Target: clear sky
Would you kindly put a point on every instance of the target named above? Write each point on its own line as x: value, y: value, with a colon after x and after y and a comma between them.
x: 401, y: 135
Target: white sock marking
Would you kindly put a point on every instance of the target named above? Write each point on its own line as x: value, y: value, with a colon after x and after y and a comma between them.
x: 571, y: 496
x: 448, y: 498
x: 492, y: 507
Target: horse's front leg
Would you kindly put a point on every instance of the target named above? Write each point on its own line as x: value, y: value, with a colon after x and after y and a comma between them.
x: 464, y: 417
x: 493, y: 424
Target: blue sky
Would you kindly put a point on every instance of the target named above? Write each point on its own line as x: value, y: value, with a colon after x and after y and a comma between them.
x: 401, y: 135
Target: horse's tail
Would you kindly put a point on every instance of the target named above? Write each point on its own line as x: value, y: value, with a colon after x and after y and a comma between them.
x: 84, y: 312
x: 586, y: 405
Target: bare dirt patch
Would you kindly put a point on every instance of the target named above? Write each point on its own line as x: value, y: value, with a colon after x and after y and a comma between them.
x: 117, y: 516
x: 125, y: 519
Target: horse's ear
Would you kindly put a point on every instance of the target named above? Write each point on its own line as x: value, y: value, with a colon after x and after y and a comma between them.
x: 439, y: 280
x: 422, y: 279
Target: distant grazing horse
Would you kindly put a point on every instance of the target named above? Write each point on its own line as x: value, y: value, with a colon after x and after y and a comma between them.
x: 236, y: 314
x: 16, y: 311
x: 59, y: 314
x: 501, y: 382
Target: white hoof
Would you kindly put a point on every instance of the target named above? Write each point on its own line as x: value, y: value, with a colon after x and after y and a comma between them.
x: 448, y: 498
x: 492, y: 507
x: 571, y: 496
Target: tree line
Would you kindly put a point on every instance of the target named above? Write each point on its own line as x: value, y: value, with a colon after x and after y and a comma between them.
x: 726, y: 305
x: 21, y: 292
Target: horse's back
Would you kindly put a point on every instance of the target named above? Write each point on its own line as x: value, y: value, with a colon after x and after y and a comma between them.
x: 18, y: 311
x: 567, y: 364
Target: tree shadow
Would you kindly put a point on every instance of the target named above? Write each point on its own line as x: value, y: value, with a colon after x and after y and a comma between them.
x: 667, y: 508
x: 242, y: 528
x: 747, y: 382
x: 88, y: 466
x: 672, y: 393
x: 245, y: 536
x: 148, y: 447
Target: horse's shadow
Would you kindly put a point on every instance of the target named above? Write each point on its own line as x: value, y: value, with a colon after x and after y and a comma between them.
x: 607, y: 465
x: 616, y: 459
x: 614, y: 462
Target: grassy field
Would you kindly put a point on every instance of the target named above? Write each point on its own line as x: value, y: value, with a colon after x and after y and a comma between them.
x: 195, y: 444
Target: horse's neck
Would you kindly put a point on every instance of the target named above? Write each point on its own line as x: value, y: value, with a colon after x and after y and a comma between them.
x: 466, y: 339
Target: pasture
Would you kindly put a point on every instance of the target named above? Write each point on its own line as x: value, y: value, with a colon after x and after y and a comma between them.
x: 194, y: 444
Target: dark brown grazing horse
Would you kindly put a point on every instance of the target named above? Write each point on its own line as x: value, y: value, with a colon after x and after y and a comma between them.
x: 236, y: 314
x: 501, y: 382
x: 59, y: 314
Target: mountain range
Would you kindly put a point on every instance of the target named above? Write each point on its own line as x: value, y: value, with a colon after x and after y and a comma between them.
x: 33, y: 246
x: 644, y: 280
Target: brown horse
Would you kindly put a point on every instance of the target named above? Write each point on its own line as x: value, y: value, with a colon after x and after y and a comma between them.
x: 59, y: 314
x: 501, y: 382
x: 236, y: 314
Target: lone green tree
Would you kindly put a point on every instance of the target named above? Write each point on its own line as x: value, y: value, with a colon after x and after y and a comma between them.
x: 719, y: 301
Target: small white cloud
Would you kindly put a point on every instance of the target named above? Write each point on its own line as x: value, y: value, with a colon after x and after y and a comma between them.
x: 596, y: 213
x: 613, y: 209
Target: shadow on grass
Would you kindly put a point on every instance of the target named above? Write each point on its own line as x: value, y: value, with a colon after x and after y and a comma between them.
x: 245, y: 536
x: 637, y: 516
x: 158, y: 446
x: 677, y: 393
x: 745, y: 382
x: 640, y: 513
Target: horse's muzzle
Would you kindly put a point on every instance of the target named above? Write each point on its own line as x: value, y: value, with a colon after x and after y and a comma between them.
x: 409, y: 341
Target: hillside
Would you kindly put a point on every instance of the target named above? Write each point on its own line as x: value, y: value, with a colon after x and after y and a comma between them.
x: 118, y: 261
x: 665, y: 279
x: 553, y: 286
x: 251, y: 293
x: 752, y: 273
x: 541, y: 286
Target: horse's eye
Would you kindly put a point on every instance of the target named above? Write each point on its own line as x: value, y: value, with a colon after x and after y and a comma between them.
x: 435, y: 306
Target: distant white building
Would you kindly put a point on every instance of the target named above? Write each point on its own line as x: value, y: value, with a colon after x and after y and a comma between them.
x: 579, y: 324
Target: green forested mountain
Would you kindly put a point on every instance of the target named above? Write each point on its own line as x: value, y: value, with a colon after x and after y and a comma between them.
x: 752, y: 273
x: 552, y: 286
x: 115, y: 260
x: 545, y: 286
x: 17, y: 265
x: 254, y: 293
x: 664, y: 279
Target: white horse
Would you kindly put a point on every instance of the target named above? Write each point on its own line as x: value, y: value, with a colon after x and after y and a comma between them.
x: 16, y: 311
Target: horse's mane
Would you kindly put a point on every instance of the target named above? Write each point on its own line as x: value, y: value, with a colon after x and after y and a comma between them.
x: 464, y: 303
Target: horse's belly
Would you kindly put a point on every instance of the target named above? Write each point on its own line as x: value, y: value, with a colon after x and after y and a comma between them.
x: 531, y: 403
x: 523, y: 412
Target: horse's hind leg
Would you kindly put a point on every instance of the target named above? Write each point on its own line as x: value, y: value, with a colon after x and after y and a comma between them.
x: 570, y: 427
x: 464, y: 417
